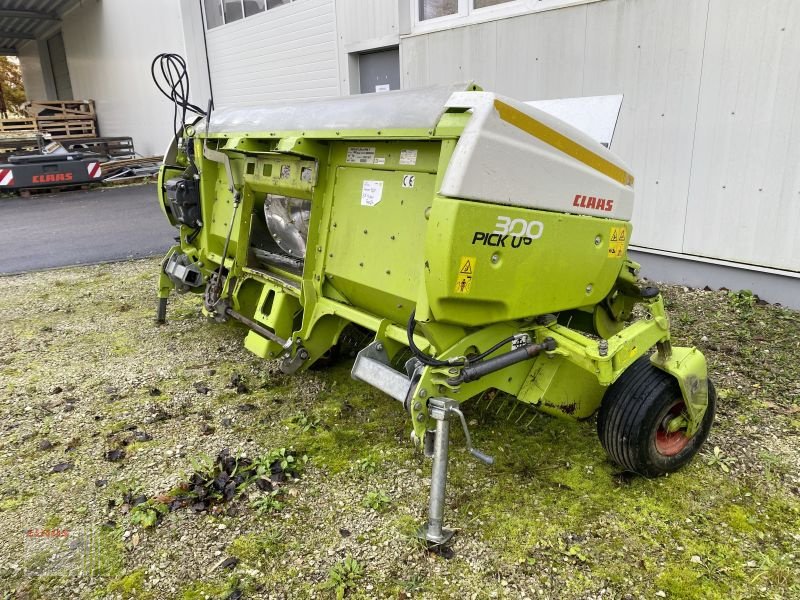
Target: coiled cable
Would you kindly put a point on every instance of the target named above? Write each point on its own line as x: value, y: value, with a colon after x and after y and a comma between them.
x: 174, y: 84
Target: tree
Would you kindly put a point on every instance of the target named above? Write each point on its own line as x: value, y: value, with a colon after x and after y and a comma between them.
x: 12, y: 91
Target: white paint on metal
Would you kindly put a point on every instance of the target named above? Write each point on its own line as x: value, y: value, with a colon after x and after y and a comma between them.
x: 400, y: 109
x: 596, y: 116
x: 496, y: 161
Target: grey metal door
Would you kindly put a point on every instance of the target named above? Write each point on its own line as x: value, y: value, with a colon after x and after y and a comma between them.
x: 379, y: 71
x: 58, y: 63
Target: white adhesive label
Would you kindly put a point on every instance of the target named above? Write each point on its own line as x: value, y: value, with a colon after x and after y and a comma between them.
x: 362, y: 155
x: 380, y: 160
x: 520, y: 340
x: 371, y: 192
x: 408, y: 157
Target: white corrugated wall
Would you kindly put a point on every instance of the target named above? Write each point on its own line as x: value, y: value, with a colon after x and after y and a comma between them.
x: 710, y: 123
x: 286, y: 53
x: 363, y: 26
x: 744, y: 193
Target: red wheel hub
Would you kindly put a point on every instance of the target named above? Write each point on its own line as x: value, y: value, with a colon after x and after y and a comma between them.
x: 670, y: 443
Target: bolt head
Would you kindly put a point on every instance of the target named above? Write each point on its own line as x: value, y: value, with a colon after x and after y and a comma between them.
x: 417, y: 405
x: 495, y: 258
x: 597, y: 240
x: 420, y: 417
x: 589, y: 289
x: 422, y: 393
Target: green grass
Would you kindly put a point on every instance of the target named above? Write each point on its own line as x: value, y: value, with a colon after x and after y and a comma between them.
x: 553, y: 518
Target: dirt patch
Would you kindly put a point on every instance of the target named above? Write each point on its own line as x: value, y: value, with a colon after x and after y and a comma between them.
x: 132, y: 414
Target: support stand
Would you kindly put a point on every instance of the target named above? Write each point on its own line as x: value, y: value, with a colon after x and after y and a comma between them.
x: 440, y: 410
x: 432, y: 531
x: 161, y: 310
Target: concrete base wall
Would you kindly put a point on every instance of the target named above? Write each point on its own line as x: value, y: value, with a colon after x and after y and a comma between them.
x: 772, y: 286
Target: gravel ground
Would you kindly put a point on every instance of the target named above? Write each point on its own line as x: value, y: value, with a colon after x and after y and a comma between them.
x: 102, y: 408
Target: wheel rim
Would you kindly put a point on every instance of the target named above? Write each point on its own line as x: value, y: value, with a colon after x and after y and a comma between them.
x: 670, y: 443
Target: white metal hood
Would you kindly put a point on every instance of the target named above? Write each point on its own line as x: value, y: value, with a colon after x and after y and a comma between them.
x: 514, y: 154
x: 403, y: 109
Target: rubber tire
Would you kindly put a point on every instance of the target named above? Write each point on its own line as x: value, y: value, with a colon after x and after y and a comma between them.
x: 631, y: 412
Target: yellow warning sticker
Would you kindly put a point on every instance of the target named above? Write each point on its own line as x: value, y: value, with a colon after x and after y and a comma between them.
x: 466, y: 270
x: 616, y: 242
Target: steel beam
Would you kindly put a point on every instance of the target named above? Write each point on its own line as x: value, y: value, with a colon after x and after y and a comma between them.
x: 28, y: 14
x: 16, y: 35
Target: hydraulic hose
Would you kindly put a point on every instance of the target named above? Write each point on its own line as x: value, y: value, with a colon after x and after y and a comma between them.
x: 478, y: 370
x: 434, y: 362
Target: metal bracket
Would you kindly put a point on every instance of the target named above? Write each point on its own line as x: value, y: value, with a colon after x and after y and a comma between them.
x: 291, y: 364
x: 184, y: 274
x: 372, y: 366
x: 688, y: 366
x: 222, y: 158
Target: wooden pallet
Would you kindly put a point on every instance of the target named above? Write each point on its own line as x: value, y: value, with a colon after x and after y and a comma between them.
x: 62, y: 119
x: 58, y: 129
x: 72, y: 187
x: 13, y: 142
x: 68, y: 129
x: 17, y: 124
x: 61, y: 109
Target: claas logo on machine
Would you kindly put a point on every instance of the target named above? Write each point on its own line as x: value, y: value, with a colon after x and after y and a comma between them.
x: 52, y: 178
x: 582, y: 201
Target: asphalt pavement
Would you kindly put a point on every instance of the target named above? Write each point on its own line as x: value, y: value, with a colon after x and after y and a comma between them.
x: 82, y: 227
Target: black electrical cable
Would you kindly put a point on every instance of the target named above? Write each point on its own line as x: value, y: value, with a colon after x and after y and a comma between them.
x: 175, y: 87
x: 435, y: 362
x: 493, y: 349
x: 424, y: 358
